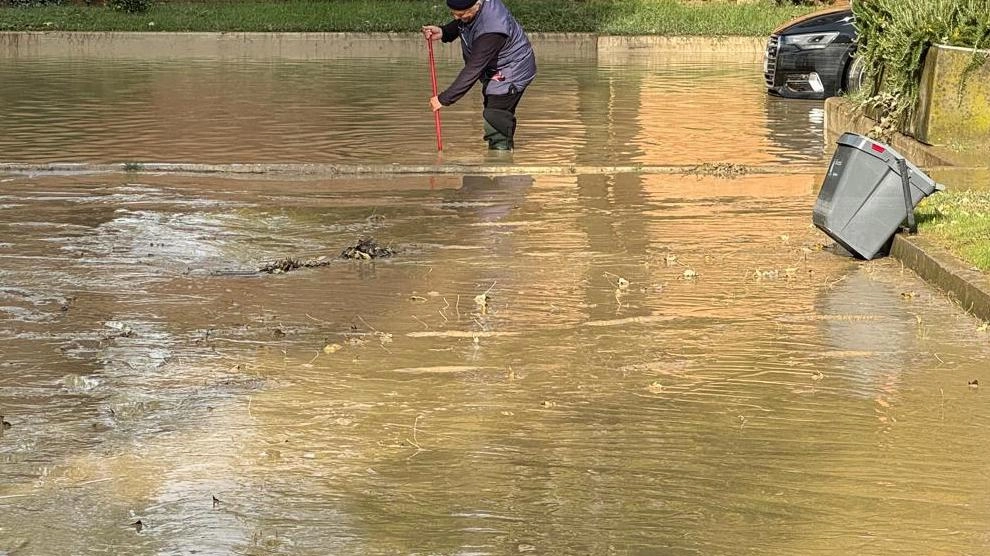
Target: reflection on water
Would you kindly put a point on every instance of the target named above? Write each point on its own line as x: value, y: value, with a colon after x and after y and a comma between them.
x: 672, y: 108
x: 561, y: 365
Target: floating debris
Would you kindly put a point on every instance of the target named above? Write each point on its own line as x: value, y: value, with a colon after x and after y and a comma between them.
x: 620, y: 282
x: 972, y: 384
x: 367, y: 249
x: 723, y: 170
x: 119, y: 330
x: 137, y: 525
x: 216, y: 502
x: 481, y: 302
x: 289, y: 264
x: 766, y: 274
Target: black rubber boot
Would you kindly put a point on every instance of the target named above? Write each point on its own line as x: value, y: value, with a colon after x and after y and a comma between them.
x: 497, y: 141
x: 499, y: 128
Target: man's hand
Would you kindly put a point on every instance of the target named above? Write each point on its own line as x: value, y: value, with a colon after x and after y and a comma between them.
x: 435, y: 104
x: 432, y: 32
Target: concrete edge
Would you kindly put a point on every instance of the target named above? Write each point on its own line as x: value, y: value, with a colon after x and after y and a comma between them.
x: 331, y: 170
x: 306, y: 45
x: 968, y: 287
x: 841, y: 116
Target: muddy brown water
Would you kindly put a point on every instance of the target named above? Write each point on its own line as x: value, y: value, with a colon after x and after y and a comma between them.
x: 590, y: 364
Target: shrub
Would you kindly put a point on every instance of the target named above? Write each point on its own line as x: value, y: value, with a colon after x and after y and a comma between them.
x: 130, y: 6
x: 895, y: 35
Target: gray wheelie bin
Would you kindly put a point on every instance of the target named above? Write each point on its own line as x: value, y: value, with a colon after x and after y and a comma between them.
x: 868, y: 192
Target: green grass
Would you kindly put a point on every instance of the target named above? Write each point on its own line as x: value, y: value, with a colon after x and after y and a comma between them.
x: 959, y: 221
x: 612, y: 17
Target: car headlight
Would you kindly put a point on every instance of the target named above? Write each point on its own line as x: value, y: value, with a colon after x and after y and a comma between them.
x: 810, y: 41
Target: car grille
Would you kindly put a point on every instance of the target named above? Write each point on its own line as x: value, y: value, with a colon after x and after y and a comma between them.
x: 770, y: 60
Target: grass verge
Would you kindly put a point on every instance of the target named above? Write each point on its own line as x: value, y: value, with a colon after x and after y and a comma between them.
x: 960, y: 222
x: 607, y: 17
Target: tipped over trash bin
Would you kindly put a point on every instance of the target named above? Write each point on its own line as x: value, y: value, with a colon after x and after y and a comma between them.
x: 869, y: 190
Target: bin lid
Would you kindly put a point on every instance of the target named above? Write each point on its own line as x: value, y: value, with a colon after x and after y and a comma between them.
x: 888, y: 156
x: 865, y: 144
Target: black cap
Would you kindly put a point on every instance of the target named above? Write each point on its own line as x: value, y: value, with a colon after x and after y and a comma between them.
x: 460, y: 4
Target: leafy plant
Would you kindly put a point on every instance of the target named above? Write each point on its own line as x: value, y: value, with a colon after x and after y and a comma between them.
x: 894, y: 37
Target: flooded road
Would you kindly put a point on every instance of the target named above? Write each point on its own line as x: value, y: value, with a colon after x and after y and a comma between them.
x: 589, y: 364
x: 614, y: 110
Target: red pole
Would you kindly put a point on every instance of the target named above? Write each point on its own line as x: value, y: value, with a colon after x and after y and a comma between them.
x: 433, y: 80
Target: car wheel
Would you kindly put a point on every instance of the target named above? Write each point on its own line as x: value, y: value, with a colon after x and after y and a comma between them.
x: 852, y: 81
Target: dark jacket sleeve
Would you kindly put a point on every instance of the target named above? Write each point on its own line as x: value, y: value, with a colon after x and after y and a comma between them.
x: 450, y: 31
x: 484, y: 53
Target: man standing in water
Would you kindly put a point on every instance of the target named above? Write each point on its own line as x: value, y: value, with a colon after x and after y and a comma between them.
x: 496, y: 51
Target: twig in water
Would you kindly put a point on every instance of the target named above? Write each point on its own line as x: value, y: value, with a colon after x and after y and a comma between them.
x: 382, y: 336
x: 421, y: 322
x: 319, y: 320
x: 373, y: 329
x: 830, y: 286
x: 446, y: 305
x: 415, y: 441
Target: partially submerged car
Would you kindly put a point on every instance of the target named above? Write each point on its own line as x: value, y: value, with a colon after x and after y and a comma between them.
x: 812, y: 56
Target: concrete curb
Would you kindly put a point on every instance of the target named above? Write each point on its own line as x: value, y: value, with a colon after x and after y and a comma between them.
x: 332, y: 46
x: 357, y: 170
x: 934, y: 264
x: 967, y: 286
x: 841, y: 116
